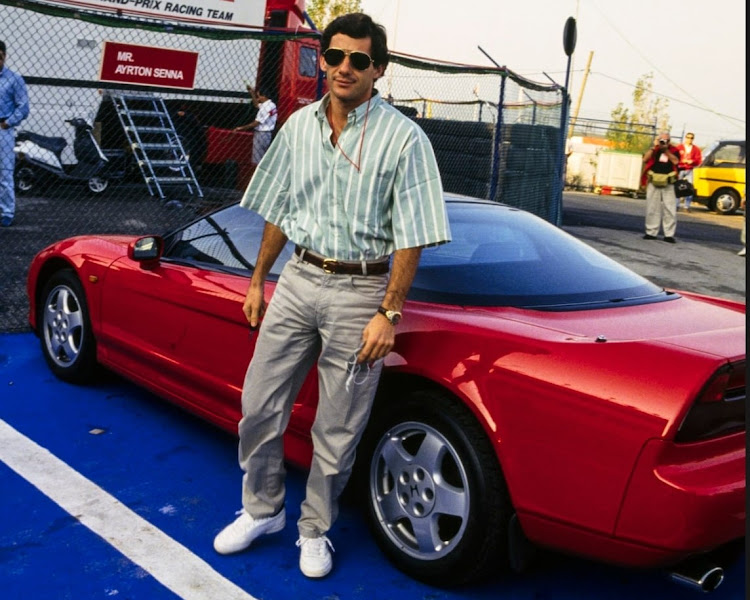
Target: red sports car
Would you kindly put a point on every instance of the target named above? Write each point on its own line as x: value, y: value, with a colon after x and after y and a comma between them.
x: 537, y: 391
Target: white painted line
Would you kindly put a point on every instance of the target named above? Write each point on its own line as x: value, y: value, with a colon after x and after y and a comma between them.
x: 168, y: 561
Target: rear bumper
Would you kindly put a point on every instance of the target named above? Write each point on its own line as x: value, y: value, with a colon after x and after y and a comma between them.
x: 681, y: 501
x: 686, y: 499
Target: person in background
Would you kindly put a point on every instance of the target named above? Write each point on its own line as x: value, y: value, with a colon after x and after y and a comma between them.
x: 14, y: 108
x: 661, y: 202
x: 263, y: 125
x: 744, y: 228
x: 192, y: 135
x: 355, y: 185
x: 690, y: 157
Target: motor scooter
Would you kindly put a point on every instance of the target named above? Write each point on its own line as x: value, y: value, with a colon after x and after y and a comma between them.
x: 39, y: 160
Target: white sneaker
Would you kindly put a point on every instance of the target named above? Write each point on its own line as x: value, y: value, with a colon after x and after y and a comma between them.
x: 314, y: 557
x: 239, y: 534
x: 742, y: 252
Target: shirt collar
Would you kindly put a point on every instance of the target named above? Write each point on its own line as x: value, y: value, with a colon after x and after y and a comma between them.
x: 356, y: 115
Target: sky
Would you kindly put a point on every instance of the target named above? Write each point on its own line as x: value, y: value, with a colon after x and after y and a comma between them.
x: 694, y: 48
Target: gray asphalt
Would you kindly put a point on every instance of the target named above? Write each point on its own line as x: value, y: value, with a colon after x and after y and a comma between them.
x: 703, y: 260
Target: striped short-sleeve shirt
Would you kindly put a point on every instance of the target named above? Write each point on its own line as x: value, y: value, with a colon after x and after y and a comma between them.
x: 314, y: 192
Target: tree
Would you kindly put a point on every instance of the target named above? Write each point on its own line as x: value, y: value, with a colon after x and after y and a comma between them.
x: 633, y: 129
x: 322, y: 12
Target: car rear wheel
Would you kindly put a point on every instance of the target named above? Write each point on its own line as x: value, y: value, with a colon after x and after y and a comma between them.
x: 436, y: 498
x: 725, y: 202
x: 64, y: 328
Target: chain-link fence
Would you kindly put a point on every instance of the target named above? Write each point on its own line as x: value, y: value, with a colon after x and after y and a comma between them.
x: 592, y: 144
x: 121, y: 146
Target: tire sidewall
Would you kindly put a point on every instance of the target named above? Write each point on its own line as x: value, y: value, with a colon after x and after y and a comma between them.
x: 486, y: 513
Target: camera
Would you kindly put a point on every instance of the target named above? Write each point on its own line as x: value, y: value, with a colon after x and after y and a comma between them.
x: 663, y: 142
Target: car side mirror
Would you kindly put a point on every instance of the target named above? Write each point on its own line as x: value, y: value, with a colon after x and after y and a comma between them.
x: 147, y: 251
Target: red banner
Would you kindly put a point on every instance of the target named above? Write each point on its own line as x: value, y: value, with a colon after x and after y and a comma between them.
x: 148, y: 65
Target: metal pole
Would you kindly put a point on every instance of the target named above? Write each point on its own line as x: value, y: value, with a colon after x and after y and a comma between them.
x: 580, y: 95
x: 555, y: 213
x: 498, y: 144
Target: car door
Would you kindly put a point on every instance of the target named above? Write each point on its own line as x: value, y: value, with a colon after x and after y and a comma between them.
x: 179, y: 327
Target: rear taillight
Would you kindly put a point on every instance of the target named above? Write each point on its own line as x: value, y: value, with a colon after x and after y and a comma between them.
x: 719, y: 409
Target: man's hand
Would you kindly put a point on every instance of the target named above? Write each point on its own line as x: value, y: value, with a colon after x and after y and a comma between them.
x: 378, y: 338
x: 255, y: 305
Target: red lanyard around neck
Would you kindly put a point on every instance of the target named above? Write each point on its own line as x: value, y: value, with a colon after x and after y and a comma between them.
x: 361, y: 140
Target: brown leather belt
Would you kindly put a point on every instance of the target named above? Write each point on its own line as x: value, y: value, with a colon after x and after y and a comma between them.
x: 342, y: 267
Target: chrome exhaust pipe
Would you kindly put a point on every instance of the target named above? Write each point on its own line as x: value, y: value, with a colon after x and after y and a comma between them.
x: 698, y: 573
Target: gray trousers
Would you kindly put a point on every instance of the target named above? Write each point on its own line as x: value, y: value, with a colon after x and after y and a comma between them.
x: 261, y: 142
x: 661, y: 209
x: 312, y: 316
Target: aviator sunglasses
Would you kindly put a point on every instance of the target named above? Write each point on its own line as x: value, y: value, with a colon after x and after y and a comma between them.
x: 359, y: 60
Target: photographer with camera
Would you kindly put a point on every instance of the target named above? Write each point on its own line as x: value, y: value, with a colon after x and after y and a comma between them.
x: 660, y: 170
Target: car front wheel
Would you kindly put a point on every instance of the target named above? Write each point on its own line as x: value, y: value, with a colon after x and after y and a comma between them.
x: 436, y: 499
x: 64, y: 328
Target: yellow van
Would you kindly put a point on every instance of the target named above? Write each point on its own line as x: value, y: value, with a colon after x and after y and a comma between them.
x: 719, y: 181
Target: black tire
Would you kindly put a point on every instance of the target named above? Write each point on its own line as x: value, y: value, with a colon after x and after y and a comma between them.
x: 64, y: 329
x: 428, y: 474
x: 725, y: 201
x: 25, y: 179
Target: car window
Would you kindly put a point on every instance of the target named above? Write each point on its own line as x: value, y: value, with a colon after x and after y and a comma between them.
x: 228, y: 238
x: 308, y: 61
x: 727, y: 155
x: 502, y: 256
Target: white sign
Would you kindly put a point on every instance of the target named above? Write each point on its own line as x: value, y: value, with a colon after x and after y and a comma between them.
x: 238, y: 13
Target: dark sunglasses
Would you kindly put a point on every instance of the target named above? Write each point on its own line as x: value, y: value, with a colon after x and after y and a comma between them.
x: 335, y: 56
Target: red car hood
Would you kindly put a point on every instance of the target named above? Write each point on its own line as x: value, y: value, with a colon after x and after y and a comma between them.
x: 689, y: 322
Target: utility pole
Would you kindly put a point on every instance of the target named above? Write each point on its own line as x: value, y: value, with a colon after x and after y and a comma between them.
x: 393, y: 45
x: 580, y: 95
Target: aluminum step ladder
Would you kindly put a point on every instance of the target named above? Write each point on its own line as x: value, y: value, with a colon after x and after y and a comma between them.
x: 157, y: 148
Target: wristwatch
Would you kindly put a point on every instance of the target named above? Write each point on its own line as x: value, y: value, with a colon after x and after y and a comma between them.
x: 393, y: 316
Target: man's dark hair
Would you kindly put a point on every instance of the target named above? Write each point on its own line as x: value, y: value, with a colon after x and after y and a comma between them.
x: 358, y: 26
x: 2, y: 47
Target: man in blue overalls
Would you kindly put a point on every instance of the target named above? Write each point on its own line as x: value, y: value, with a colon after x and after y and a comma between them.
x: 14, y: 108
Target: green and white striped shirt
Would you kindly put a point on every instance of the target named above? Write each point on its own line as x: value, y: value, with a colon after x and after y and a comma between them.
x: 315, y: 194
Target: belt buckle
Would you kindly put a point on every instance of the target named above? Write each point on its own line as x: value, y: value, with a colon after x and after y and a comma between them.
x: 329, y: 264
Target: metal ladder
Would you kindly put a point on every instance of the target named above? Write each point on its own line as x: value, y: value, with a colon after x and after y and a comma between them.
x: 156, y: 146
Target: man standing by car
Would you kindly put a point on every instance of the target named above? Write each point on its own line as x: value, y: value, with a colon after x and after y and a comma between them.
x: 14, y: 108
x: 660, y: 171
x: 351, y: 181
x: 690, y: 157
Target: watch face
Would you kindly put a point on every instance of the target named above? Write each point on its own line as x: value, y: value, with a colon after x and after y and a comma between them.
x: 393, y: 316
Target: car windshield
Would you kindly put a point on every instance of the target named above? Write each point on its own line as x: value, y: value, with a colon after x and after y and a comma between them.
x: 499, y: 256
